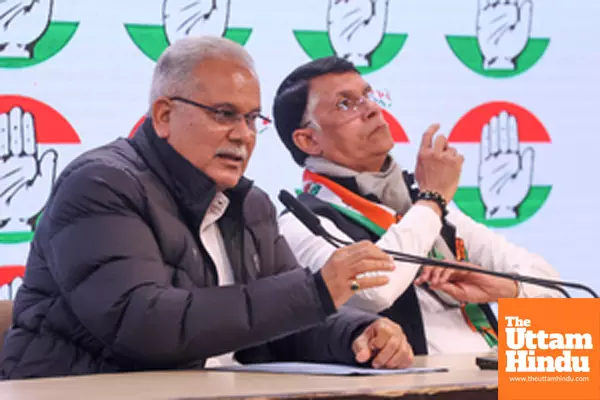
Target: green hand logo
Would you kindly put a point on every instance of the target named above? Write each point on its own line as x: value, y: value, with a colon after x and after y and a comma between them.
x: 28, y: 36
x: 356, y: 31
x: 502, y: 47
x: 181, y: 18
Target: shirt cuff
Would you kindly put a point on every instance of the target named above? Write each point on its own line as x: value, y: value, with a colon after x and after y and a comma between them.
x: 423, y: 217
x: 323, y: 292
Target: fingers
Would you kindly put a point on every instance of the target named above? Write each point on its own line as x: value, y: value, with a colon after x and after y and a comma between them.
x: 427, y: 139
x: 29, y: 142
x: 484, y: 149
x: 370, y: 265
x: 368, y: 282
x: 494, y: 140
x: 513, y: 135
x: 436, y: 275
x: 390, y: 344
x: 403, y: 358
x: 360, y: 346
x: 441, y: 275
x: 424, y: 275
x: 440, y: 144
x: 503, y: 138
x: 363, y: 257
x: 15, y: 128
x: 4, y: 136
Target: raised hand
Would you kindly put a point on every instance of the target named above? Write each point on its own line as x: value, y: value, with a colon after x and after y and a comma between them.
x: 356, y: 27
x: 183, y: 18
x: 22, y: 23
x: 438, y: 165
x: 505, y: 173
x: 503, y: 29
x: 26, y: 178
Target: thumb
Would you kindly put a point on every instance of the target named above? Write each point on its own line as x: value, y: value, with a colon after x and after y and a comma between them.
x: 360, y: 346
x: 527, y: 158
x: 526, y: 13
x: 48, y: 165
x: 47, y: 173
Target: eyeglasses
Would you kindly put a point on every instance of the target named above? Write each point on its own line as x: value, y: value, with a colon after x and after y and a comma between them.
x: 348, y: 107
x: 227, y: 117
x: 353, y: 104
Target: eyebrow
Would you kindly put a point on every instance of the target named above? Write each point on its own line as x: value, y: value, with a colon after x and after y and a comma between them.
x: 345, y: 92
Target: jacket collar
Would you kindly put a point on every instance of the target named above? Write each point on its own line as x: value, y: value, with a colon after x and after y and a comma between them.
x: 192, y: 188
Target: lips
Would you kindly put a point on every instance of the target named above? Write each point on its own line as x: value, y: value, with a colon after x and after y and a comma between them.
x: 231, y: 157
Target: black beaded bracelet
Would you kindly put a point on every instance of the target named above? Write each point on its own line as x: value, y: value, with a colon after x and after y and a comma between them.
x: 436, y: 197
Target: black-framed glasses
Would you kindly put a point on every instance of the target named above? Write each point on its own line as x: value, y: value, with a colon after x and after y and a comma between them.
x: 229, y: 117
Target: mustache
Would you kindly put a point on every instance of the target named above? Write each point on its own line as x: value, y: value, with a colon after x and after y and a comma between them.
x: 238, y: 152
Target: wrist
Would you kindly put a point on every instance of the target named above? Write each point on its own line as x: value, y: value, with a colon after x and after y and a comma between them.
x: 495, y: 63
x: 434, y: 200
x: 324, y: 294
x: 500, y: 213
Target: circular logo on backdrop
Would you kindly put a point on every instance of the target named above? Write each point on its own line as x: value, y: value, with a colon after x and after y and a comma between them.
x: 31, y: 135
x: 11, y: 278
x: 181, y: 18
x: 502, y: 46
x: 29, y: 35
x: 505, y: 192
x: 356, y: 31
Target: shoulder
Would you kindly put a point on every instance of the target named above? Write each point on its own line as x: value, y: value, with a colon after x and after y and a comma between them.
x: 104, y: 178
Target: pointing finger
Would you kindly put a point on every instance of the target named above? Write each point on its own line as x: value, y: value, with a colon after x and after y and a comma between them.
x: 427, y: 140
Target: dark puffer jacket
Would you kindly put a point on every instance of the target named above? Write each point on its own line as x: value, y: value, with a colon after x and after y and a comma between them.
x: 117, y: 279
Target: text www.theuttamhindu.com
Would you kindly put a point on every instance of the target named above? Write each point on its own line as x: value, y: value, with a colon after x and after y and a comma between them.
x: 567, y: 378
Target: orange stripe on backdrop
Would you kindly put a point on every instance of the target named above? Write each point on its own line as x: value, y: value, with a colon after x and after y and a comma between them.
x: 371, y: 211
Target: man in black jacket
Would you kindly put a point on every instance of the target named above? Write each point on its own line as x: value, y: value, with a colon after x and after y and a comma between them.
x: 156, y: 253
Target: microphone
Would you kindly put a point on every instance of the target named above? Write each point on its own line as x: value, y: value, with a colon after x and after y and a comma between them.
x: 312, y: 222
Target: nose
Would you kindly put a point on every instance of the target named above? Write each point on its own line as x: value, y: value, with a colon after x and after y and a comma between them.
x: 370, y: 109
x: 242, y: 131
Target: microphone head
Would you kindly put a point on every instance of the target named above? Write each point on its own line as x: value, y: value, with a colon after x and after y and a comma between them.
x: 303, y: 213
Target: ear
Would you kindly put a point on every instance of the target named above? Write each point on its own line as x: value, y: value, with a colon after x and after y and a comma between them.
x: 161, y: 116
x: 306, y: 140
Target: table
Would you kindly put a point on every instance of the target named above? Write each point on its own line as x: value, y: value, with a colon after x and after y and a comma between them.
x: 463, y: 381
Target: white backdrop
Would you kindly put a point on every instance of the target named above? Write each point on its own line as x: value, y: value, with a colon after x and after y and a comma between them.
x: 79, y: 71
